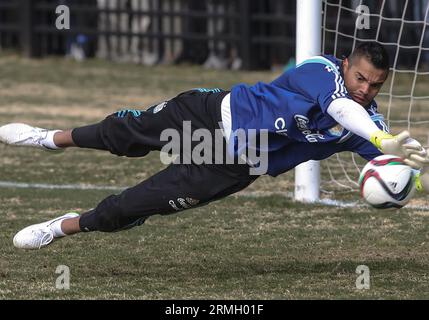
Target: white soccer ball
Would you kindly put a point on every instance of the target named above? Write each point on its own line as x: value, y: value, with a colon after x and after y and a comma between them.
x: 387, y: 182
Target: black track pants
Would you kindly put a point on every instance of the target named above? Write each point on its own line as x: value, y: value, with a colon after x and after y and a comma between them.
x: 135, y: 133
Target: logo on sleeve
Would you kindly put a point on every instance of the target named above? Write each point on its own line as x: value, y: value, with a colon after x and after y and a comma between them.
x: 329, y: 69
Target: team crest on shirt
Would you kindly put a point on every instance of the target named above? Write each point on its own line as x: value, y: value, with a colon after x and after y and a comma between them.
x: 336, y: 131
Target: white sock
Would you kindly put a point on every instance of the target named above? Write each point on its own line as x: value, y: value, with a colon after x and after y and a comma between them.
x: 49, y: 140
x: 56, y: 228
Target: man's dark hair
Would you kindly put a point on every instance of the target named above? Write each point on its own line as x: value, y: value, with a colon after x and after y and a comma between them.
x: 373, y: 52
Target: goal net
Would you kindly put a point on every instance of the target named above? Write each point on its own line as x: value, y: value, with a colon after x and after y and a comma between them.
x: 402, y: 27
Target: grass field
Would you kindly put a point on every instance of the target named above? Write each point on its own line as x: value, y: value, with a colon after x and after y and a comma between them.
x: 258, y: 244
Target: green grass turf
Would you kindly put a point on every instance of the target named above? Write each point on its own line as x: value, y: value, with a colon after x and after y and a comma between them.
x: 238, y: 248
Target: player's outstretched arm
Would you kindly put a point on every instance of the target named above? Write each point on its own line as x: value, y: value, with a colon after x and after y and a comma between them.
x: 355, y: 119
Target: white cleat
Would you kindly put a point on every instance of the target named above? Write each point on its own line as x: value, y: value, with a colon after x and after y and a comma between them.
x: 38, y: 235
x: 23, y: 135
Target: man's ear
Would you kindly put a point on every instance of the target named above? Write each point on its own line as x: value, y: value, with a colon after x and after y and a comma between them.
x: 346, y: 63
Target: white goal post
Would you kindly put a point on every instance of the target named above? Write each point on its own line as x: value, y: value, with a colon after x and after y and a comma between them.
x: 308, y: 44
x: 336, y: 27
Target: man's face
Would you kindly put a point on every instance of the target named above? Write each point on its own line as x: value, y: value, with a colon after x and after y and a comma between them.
x: 362, y: 80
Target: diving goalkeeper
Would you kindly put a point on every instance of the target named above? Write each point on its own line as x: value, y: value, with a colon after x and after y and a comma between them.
x: 321, y: 107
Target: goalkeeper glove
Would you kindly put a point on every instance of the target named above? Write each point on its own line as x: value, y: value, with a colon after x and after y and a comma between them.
x: 402, y: 146
x: 422, y: 178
